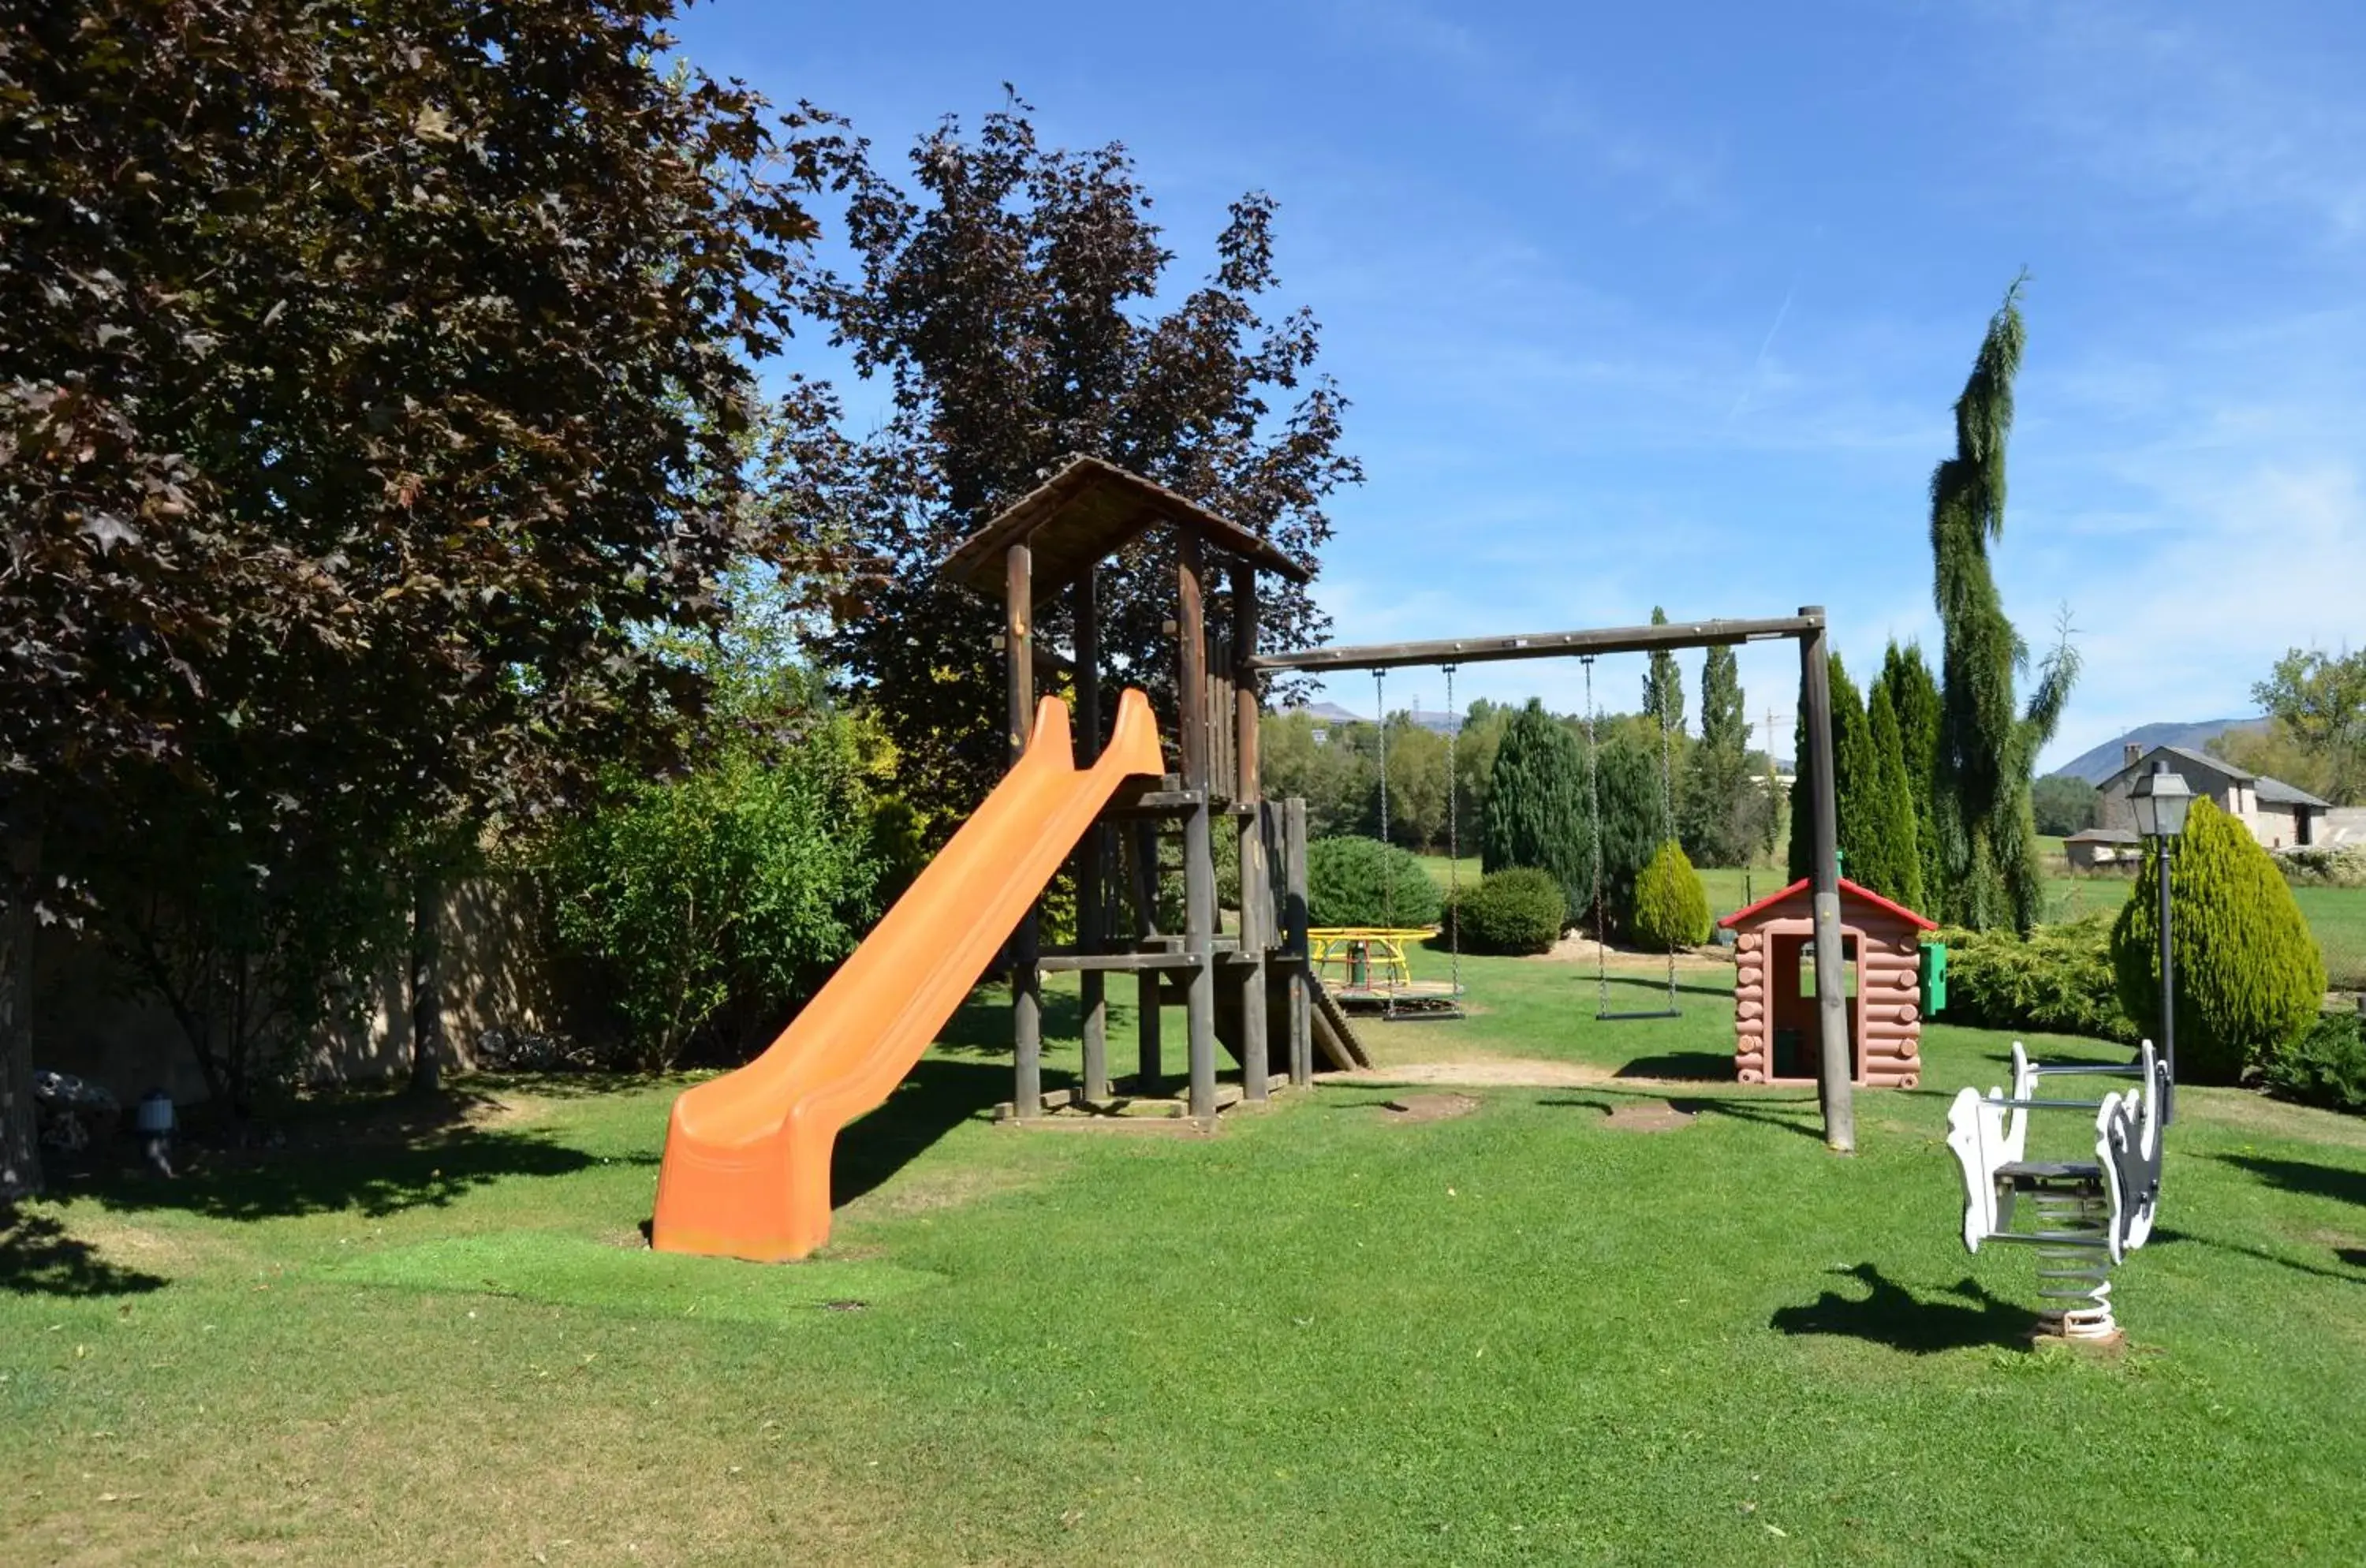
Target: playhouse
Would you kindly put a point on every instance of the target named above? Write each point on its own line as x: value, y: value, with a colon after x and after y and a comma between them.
x: 1776, y: 1035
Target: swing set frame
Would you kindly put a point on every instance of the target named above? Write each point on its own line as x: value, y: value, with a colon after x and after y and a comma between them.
x: 1809, y: 629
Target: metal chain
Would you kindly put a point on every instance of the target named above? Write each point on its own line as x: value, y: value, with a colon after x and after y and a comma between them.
x: 1453, y: 835
x: 1667, y: 828
x: 1388, y: 877
x: 1594, y: 807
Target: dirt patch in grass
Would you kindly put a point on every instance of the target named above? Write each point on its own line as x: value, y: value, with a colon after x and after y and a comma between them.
x: 1411, y: 1108
x: 1649, y: 1116
x: 1479, y: 1072
x: 1577, y: 949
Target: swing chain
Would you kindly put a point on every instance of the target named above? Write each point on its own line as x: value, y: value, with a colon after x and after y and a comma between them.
x: 1453, y: 837
x: 1594, y: 820
x: 1667, y: 828
x: 1380, y: 716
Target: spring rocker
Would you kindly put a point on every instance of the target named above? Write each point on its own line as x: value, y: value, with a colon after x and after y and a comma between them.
x: 2088, y: 1214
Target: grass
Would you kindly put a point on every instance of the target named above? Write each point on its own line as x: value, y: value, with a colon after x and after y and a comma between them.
x: 1321, y: 1336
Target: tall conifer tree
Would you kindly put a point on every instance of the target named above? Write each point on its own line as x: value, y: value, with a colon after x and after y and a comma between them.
x: 1914, y: 696
x: 1717, y: 780
x: 1987, y: 842
x: 1892, y: 811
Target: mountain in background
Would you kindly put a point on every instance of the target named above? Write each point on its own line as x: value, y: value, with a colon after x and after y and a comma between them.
x: 2100, y: 763
x: 1332, y: 713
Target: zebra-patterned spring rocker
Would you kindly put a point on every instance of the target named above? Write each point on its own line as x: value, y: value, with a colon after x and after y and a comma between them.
x: 2089, y: 1214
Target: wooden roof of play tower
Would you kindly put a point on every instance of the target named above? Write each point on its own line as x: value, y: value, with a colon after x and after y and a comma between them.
x: 1086, y: 512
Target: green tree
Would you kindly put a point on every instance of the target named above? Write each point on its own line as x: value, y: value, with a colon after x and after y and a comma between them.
x: 1537, y: 811
x: 2249, y: 976
x: 1988, y: 848
x: 343, y: 476
x: 1664, y: 685
x: 1632, y: 822
x: 1914, y: 697
x: 1671, y: 906
x: 2319, y: 699
x: 724, y: 895
x: 1900, y: 857
x: 1417, y: 784
x: 1331, y: 765
x: 1717, y: 817
x: 1017, y: 301
x: 2062, y: 805
x: 1856, y: 788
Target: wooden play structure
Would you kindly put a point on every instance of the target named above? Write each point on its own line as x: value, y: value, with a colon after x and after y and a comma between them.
x: 1777, y: 1019
x: 1128, y: 799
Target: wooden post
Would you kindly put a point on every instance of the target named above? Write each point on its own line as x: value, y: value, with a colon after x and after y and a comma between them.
x: 1198, y: 842
x: 1150, y: 1074
x: 1257, y: 879
x: 1092, y: 983
x: 1026, y: 984
x: 1293, y: 871
x: 1834, y: 1078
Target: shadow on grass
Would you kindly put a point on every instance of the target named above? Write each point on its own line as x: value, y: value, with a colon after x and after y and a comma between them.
x: 1892, y: 1316
x: 982, y: 1024
x: 38, y: 1258
x: 2166, y: 1235
x: 2303, y: 1176
x: 1708, y: 1066
x: 377, y: 1165
x: 935, y: 1097
x: 1625, y: 990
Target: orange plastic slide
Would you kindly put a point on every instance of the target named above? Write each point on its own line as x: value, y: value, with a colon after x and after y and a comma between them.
x: 747, y: 1155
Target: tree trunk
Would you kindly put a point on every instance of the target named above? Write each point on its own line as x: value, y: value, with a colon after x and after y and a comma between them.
x: 426, y: 982
x: 20, y: 1145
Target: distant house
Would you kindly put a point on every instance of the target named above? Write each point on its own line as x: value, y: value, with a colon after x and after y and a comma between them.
x: 2279, y: 816
x: 2093, y: 847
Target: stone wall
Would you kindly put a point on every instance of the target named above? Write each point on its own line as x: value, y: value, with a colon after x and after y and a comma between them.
x: 498, y: 973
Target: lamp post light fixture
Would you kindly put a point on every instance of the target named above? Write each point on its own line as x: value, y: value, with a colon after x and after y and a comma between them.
x: 2161, y: 798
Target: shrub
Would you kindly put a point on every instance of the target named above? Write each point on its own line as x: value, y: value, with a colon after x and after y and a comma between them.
x: 2324, y: 865
x: 726, y: 894
x: 1517, y: 910
x: 2058, y: 979
x: 1671, y: 906
x: 2249, y: 976
x: 2326, y: 1067
x: 1363, y: 881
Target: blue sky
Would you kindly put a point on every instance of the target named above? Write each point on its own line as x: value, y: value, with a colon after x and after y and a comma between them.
x: 1667, y: 304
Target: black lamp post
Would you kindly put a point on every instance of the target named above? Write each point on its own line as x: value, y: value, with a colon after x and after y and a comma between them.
x: 2160, y: 799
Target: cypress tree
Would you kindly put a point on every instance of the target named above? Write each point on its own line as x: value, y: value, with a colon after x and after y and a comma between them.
x: 2249, y: 976
x: 1664, y: 685
x: 1631, y: 828
x: 1717, y: 774
x: 1536, y: 810
x: 1915, y: 697
x: 1987, y: 844
x: 1664, y: 707
x: 1901, y: 858
x: 1855, y: 779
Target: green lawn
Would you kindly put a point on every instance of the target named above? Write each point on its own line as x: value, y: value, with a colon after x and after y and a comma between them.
x: 1318, y: 1337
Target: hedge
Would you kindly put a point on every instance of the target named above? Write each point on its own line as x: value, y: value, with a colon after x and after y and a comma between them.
x: 1517, y: 910
x: 1363, y: 881
x: 2058, y: 979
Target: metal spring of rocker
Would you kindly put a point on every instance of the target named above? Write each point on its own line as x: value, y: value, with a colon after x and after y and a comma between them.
x: 2074, y: 1277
